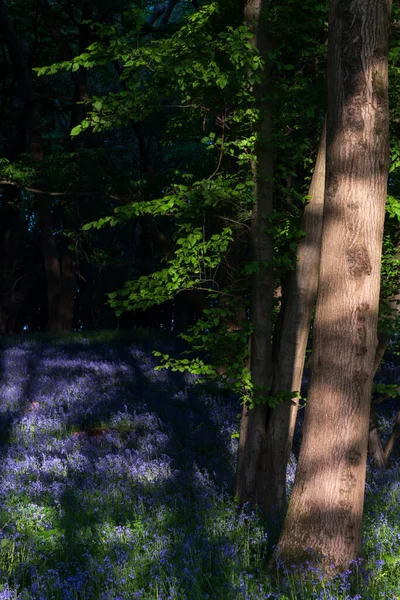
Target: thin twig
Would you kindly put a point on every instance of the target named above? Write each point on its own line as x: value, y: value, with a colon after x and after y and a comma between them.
x: 56, y: 194
x: 220, y: 121
x: 233, y: 221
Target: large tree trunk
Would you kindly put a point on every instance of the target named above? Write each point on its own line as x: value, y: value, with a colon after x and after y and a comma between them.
x: 326, y: 506
x: 253, y: 484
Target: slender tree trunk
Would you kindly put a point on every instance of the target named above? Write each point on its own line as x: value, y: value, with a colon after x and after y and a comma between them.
x: 326, y: 506
x: 253, y: 464
x: 298, y: 304
x: 375, y: 447
x: 393, y: 437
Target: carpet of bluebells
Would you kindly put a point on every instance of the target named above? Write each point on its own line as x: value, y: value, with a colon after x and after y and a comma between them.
x: 116, y: 484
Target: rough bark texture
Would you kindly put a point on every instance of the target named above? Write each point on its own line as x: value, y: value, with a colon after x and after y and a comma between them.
x: 298, y: 304
x: 252, y: 482
x: 326, y: 506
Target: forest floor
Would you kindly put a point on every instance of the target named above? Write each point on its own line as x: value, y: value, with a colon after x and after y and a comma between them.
x: 116, y: 484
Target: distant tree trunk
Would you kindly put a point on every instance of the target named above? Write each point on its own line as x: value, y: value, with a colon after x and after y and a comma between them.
x: 253, y: 467
x: 9, y: 254
x: 68, y: 284
x: 15, y: 299
x: 45, y: 214
x: 326, y: 506
x: 34, y: 131
x: 71, y: 220
x: 51, y: 267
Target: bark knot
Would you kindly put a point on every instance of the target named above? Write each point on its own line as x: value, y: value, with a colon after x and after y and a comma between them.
x: 353, y: 457
x: 358, y: 261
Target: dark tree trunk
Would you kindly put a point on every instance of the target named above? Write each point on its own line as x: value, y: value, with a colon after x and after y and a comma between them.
x: 66, y: 270
x: 51, y: 267
x: 253, y: 465
x: 34, y: 131
x: 9, y: 253
x: 326, y: 505
x: 15, y: 299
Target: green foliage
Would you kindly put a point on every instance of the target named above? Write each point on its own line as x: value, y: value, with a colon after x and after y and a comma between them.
x: 21, y: 172
x: 196, y: 81
x: 194, y: 258
x: 386, y: 389
x: 204, y: 71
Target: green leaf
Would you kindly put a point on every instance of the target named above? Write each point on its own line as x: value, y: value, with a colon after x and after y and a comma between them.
x: 76, y: 130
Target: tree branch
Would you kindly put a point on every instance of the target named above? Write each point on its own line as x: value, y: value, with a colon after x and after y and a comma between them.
x: 56, y: 194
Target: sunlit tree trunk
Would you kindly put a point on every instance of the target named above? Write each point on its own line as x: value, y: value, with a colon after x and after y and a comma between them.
x: 266, y: 434
x: 292, y: 335
x: 326, y: 506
